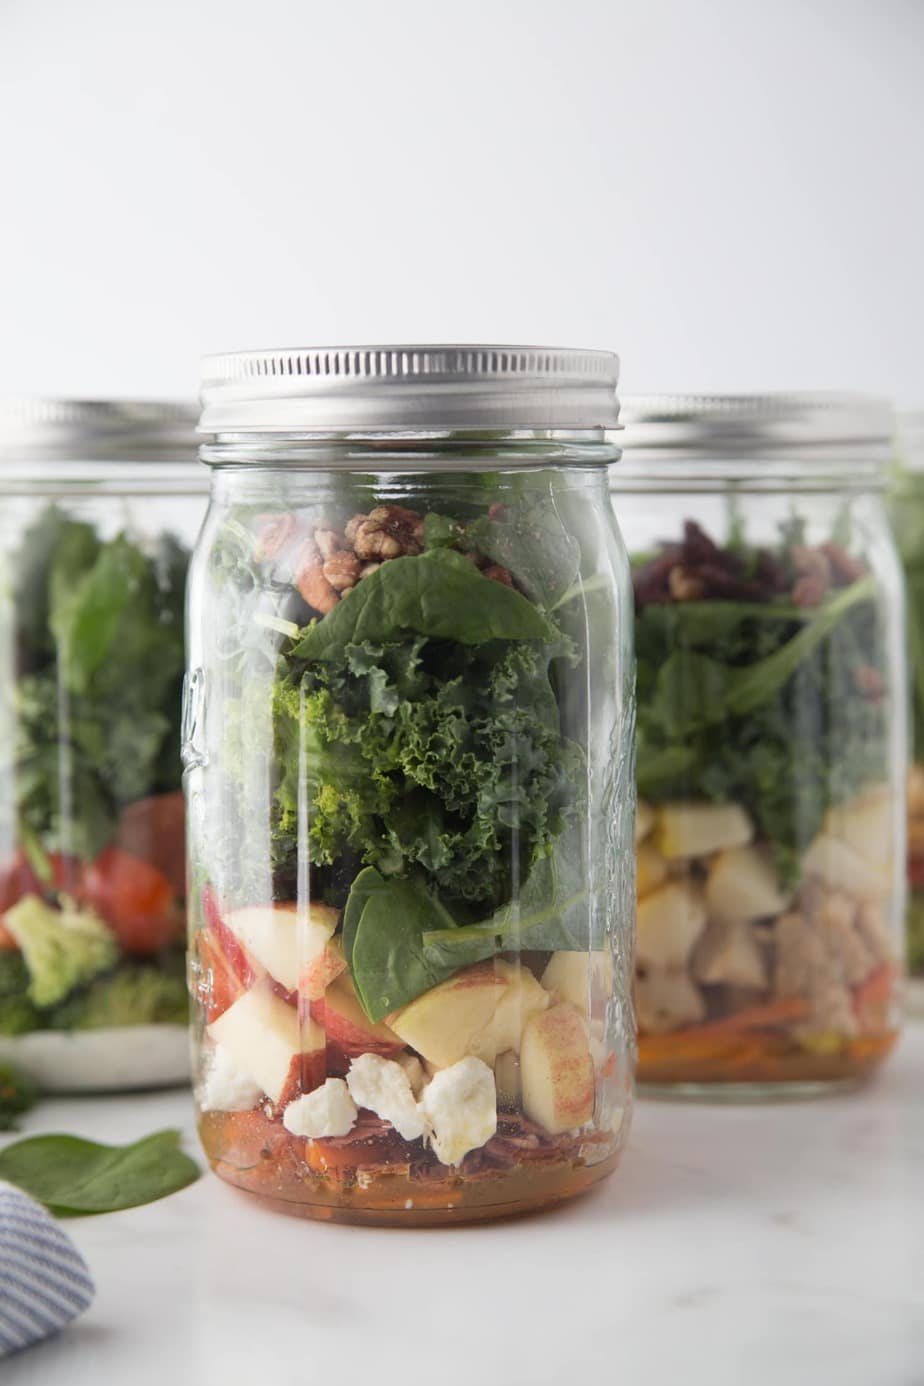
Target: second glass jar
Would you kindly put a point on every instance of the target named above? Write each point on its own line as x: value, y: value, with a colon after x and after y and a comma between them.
x: 409, y: 780
x: 771, y: 741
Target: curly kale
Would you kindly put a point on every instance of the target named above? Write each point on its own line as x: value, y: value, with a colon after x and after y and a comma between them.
x: 425, y: 754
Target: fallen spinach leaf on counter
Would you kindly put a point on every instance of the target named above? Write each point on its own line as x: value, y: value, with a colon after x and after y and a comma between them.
x: 17, y: 1095
x: 72, y: 1176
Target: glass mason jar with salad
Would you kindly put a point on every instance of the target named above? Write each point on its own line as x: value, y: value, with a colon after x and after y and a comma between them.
x: 906, y: 508
x: 100, y: 503
x: 408, y: 747
x: 771, y: 741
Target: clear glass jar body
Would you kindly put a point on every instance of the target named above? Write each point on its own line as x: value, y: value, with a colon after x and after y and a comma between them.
x: 906, y: 511
x: 409, y: 785
x: 771, y: 746
x: 93, y: 557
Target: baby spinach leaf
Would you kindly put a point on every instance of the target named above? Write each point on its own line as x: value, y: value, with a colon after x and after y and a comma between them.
x: 389, y: 964
x: 551, y: 912
x: 759, y: 682
x: 533, y: 545
x: 72, y: 1176
x: 87, y: 616
x: 437, y: 594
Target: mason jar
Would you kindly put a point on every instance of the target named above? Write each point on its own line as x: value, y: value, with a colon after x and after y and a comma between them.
x: 771, y: 741
x: 100, y: 503
x: 907, y: 514
x: 408, y: 750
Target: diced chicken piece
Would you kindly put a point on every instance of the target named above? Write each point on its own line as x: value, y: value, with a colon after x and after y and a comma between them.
x: 644, y: 820
x: 841, y: 868
x: 867, y: 824
x: 667, y: 1000
x: 650, y: 869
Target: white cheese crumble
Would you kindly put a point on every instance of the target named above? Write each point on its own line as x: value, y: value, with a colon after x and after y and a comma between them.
x: 224, y: 1087
x: 327, y: 1111
x: 460, y: 1106
x: 384, y: 1087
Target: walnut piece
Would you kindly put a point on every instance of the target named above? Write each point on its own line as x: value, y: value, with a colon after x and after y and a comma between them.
x: 342, y: 571
x: 388, y: 531
x: 685, y: 586
x: 273, y: 534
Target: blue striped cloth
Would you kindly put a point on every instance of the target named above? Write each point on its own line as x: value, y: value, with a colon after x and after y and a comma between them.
x: 44, y: 1281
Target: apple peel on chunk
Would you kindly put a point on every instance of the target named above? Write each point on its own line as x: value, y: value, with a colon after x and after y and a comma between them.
x: 340, y: 1014
x: 267, y: 1042
x: 557, y: 1070
x: 284, y: 939
x: 441, y: 1024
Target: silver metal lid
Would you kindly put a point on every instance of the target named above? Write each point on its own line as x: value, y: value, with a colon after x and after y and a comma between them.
x: 413, y: 389
x: 117, y: 430
x: 752, y: 426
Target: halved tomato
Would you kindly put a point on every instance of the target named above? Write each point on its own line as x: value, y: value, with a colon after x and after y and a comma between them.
x: 154, y: 830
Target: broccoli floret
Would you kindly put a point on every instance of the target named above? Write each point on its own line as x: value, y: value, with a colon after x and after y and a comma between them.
x: 17, y: 1014
x: 135, y: 995
x: 62, y: 949
x: 17, y: 1095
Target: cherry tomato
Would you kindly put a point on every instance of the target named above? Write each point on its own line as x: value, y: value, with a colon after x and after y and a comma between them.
x: 135, y: 899
x: 154, y: 829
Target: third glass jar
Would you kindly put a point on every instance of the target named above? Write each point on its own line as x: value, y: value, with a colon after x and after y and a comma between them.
x: 408, y: 746
x: 771, y: 741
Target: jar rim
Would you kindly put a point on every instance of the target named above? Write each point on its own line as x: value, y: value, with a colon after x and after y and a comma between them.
x: 47, y: 429
x: 406, y: 387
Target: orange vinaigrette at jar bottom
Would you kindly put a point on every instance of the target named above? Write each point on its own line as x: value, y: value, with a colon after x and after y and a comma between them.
x: 771, y: 742
x: 408, y: 762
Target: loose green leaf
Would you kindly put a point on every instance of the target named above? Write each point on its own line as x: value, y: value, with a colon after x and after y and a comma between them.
x: 437, y: 594
x: 72, y: 1176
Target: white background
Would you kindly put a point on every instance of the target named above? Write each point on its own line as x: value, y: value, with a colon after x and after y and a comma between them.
x: 730, y: 192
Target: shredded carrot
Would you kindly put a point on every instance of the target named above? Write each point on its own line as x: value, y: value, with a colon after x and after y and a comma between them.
x: 753, y: 1056
x: 876, y: 989
x: 770, y: 1016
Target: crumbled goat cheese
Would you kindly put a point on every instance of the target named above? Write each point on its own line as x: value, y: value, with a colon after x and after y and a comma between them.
x: 327, y: 1111
x: 460, y: 1106
x: 384, y: 1087
x: 224, y: 1087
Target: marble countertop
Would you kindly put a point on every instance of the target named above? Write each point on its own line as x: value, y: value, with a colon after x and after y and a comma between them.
x: 758, y: 1245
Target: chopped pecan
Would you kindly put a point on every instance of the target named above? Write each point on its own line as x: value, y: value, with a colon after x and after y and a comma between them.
x: 684, y: 585
x: 328, y: 540
x: 846, y: 568
x: 342, y: 571
x: 869, y: 682
x: 311, y: 582
x: 388, y: 531
x: 809, y: 591
x: 273, y: 533
x: 812, y: 563
x: 497, y: 510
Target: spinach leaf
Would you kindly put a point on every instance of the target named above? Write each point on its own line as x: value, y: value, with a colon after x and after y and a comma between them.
x: 759, y: 682
x: 438, y: 594
x: 552, y: 911
x: 390, y: 966
x: 533, y: 545
x: 87, y: 615
x: 72, y: 1176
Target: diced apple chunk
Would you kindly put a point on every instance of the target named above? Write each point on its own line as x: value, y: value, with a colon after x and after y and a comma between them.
x: 650, y: 869
x: 644, y: 820
x: 670, y: 921
x: 697, y: 829
x: 572, y: 976
x: 729, y: 953
x: 345, y: 1023
x: 841, y: 868
x: 867, y: 824
x: 283, y: 937
x: 442, y: 1023
x: 324, y: 968
x: 557, y: 1070
x: 742, y: 885
x: 521, y: 999
x: 507, y: 1078
x: 667, y: 1000
x: 264, y: 1039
